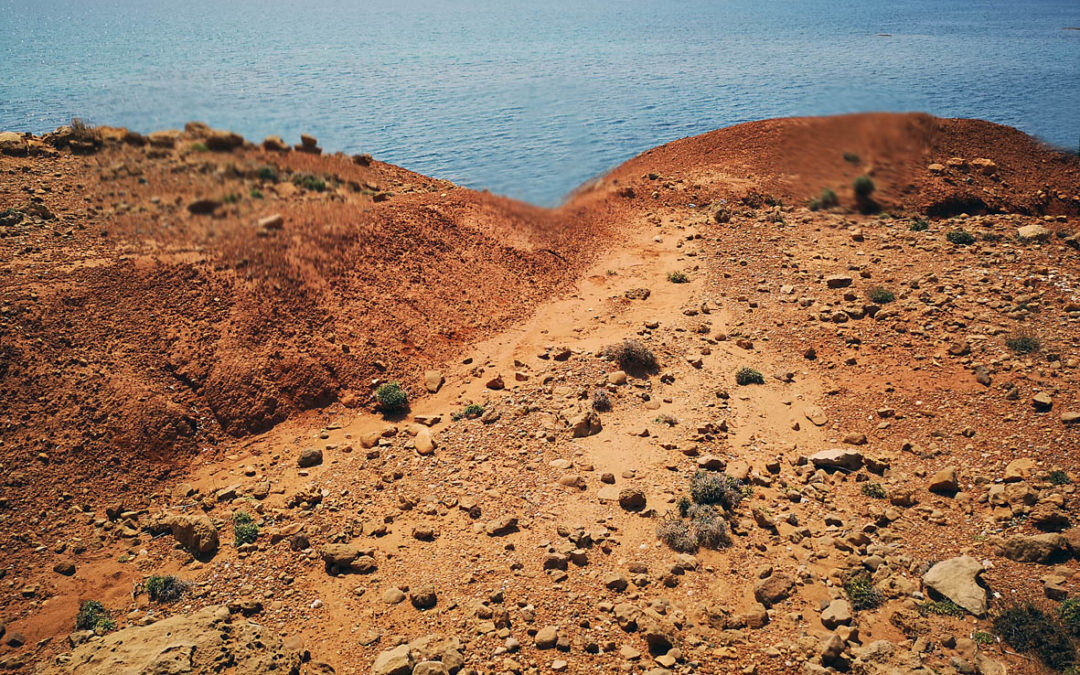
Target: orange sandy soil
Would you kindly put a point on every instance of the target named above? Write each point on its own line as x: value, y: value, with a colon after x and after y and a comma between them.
x: 144, y: 348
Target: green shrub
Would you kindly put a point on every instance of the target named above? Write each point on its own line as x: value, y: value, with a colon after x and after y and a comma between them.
x: 245, y: 529
x: 199, y: 147
x: 1069, y: 613
x: 708, y: 488
x: 982, y: 637
x: 231, y: 198
x: 678, y: 277
x: 601, y: 402
x: 9, y: 217
x: 851, y: 158
x: 864, y: 187
x: 880, y: 295
x: 268, y: 173
x: 309, y: 182
x: 1022, y: 343
x: 919, y: 225
x: 471, y: 411
x: 861, y: 592
x: 166, y: 588
x: 709, y: 528
x: 632, y: 356
x: 941, y: 608
x: 814, y: 204
x: 683, y: 505
x: 256, y: 193
x: 93, y: 616
x: 1025, y: 628
x: 1059, y: 477
x: 828, y: 198
x: 675, y: 532
x: 391, y: 397
x: 960, y: 237
x: 874, y: 490
x: 747, y: 375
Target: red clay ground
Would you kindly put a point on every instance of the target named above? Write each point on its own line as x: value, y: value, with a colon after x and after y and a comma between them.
x: 136, y: 334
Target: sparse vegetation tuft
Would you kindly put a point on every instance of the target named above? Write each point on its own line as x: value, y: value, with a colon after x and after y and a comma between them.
x: 982, y: 637
x: 861, y: 592
x: 708, y: 488
x: 391, y: 397
x: 632, y: 356
x: 1069, y: 613
x: 199, y: 147
x: 1026, y: 628
x: 747, y: 375
x: 601, y: 402
x: 1023, y: 343
x: 880, y: 295
x: 960, y: 237
x: 245, y: 529
x: 93, y: 616
x: 851, y: 158
x: 941, y: 608
x: 919, y: 225
x: 874, y: 490
x: 268, y: 173
x: 471, y: 412
x: 709, y: 528
x: 678, y: 277
x: 675, y: 532
x: 165, y: 589
x: 1059, y: 477
x: 309, y: 182
x: 826, y: 200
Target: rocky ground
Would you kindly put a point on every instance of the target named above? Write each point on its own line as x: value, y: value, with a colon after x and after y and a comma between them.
x: 838, y: 439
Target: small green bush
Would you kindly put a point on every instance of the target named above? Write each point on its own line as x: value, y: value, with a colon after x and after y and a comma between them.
x: 309, y: 182
x: 245, y: 529
x: 231, y: 198
x: 709, y: 528
x: 940, y: 608
x: 268, y: 173
x: 632, y: 356
x: 861, y: 592
x: 1059, y: 477
x: 1025, y: 628
x: 919, y: 225
x: 391, y: 397
x: 874, y: 490
x: 678, y: 277
x: 199, y: 147
x: 708, y: 488
x: 1022, y: 343
x: 256, y: 193
x: 675, y: 532
x: 9, y: 217
x: 1069, y: 613
x: 864, y: 187
x: 960, y: 237
x: 93, y: 616
x: 470, y: 412
x: 165, y: 589
x: 747, y: 375
x: 880, y: 295
x: 982, y: 637
x: 601, y: 402
x: 683, y: 505
x: 828, y: 198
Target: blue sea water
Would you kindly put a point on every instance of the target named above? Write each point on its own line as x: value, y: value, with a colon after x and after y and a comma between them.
x: 530, y: 98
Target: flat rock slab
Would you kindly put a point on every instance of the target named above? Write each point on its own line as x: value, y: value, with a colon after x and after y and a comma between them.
x: 958, y: 580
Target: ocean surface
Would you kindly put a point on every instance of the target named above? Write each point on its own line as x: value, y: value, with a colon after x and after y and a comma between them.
x: 530, y: 98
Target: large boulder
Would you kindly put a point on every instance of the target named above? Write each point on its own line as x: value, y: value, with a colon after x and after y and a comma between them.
x: 346, y: 558
x: 1039, y: 548
x: 844, y: 459
x: 773, y: 589
x: 195, y: 533
x: 207, y: 641
x: 958, y: 580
